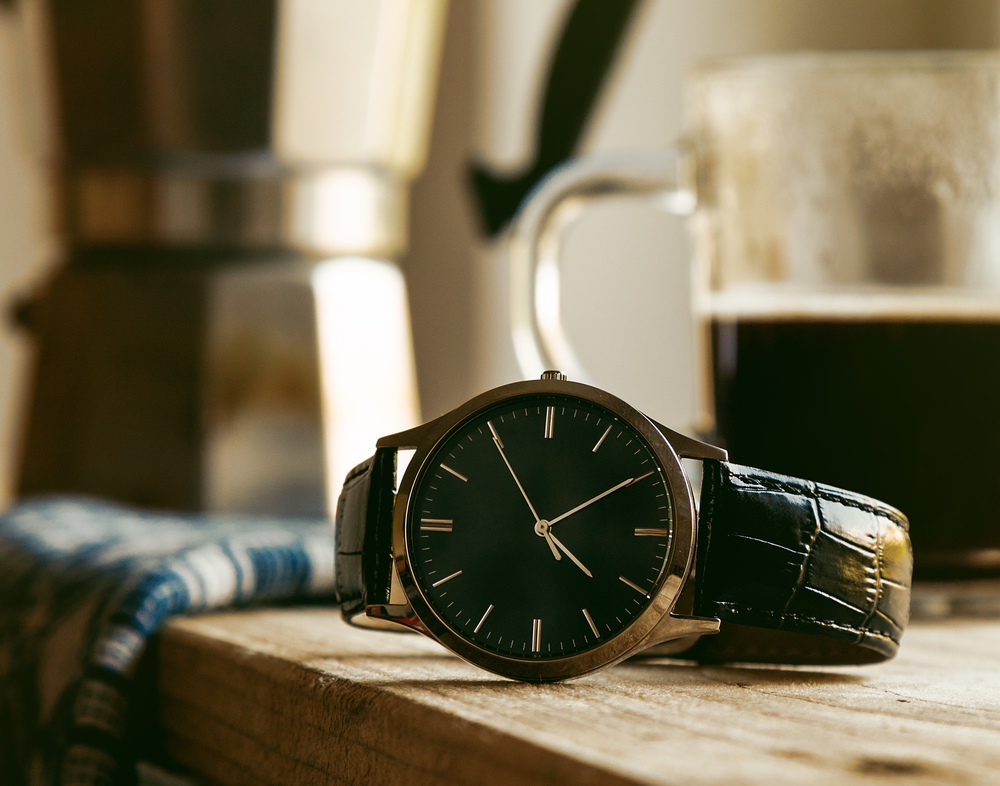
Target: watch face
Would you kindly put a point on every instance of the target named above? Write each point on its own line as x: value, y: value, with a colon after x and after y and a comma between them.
x: 540, y: 527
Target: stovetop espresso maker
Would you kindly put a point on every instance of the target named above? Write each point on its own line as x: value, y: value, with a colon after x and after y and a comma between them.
x: 214, y: 161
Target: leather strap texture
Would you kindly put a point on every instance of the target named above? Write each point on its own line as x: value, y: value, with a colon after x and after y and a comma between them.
x: 363, y: 533
x: 799, y: 572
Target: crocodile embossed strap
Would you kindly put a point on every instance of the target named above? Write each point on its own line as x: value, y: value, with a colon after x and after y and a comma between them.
x: 363, y: 532
x: 799, y: 572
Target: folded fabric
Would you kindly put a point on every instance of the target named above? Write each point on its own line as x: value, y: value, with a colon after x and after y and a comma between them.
x: 83, y: 585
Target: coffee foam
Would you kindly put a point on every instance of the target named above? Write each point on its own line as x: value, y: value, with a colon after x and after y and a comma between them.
x: 774, y: 303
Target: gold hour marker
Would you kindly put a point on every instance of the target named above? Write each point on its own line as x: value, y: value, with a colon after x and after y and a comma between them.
x: 550, y: 416
x: 461, y: 477
x: 496, y: 436
x: 590, y: 622
x: 439, y: 582
x: 643, y: 532
x: 476, y: 630
x: 536, y: 636
x: 601, y: 440
x: 436, y: 525
x: 633, y: 586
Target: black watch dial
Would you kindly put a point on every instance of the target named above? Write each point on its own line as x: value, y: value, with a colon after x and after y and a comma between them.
x: 540, y: 527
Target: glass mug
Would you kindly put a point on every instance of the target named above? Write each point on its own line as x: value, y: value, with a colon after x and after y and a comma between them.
x: 845, y: 209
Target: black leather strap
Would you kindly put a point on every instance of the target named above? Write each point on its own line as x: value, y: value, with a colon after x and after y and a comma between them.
x: 799, y: 572
x: 363, y: 533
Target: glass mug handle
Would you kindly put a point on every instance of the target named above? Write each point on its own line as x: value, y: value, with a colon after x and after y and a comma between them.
x: 540, y: 340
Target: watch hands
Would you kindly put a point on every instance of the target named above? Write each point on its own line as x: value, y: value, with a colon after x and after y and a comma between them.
x: 623, y: 484
x: 542, y: 527
x: 550, y: 539
x: 542, y: 530
x: 499, y: 444
x: 569, y: 554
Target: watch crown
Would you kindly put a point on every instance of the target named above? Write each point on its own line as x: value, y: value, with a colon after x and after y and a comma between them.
x: 553, y: 375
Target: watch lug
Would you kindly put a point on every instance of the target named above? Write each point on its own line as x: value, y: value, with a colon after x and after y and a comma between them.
x: 397, y: 612
x: 687, y: 447
x: 411, y: 438
x: 391, y: 617
x: 676, y: 632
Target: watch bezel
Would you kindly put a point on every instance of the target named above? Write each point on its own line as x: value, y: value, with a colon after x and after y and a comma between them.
x: 664, y: 596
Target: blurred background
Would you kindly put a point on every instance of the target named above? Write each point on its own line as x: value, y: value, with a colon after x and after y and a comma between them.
x: 361, y: 128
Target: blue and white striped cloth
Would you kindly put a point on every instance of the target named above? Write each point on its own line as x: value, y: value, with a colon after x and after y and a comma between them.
x: 83, y: 584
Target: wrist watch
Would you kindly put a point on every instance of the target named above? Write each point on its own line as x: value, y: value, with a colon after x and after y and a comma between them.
x: 546, y: 529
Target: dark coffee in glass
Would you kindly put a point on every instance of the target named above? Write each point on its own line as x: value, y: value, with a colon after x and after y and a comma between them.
x: 906, y: 410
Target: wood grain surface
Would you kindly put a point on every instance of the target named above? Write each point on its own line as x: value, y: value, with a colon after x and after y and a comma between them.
x: 297, y: 697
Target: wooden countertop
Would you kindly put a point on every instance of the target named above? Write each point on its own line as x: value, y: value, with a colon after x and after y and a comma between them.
x: 295, y: 696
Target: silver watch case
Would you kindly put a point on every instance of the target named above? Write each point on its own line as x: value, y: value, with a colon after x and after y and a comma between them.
x: 655, y: 625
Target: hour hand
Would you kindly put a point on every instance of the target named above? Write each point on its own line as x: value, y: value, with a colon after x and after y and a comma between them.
x: 569, y: 554
x: 542, y: 530
x: 550, y: 539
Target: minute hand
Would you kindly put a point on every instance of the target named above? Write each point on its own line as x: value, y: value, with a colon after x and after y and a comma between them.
x: 623, y: 484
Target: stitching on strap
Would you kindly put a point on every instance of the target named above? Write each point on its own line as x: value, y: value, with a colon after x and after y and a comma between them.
x: 816, y: 493
x: 879, y: 548
x: 736, y: 610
